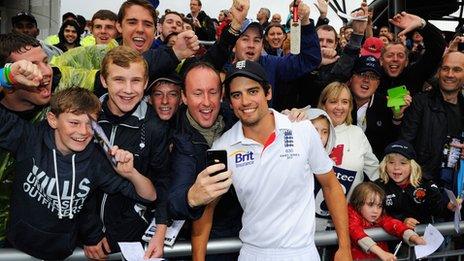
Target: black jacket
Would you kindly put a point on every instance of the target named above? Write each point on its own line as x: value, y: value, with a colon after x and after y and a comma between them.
x: 380, y: 130
x: 35, y: 226
x: 415, y: 75
x: 306, y: 89
x: 206, y: 32
x: 425, y: 126
x: 423, y: 203
x: 188, y: 160
x: 142, y: 133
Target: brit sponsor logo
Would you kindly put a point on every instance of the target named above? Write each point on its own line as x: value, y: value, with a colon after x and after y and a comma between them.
x: 243, y: 158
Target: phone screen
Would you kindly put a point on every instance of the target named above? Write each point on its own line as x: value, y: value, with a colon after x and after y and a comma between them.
x: 215, y: 157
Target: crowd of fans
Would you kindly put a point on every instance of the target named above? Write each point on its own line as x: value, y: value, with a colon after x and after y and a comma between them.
x: 388, y: 108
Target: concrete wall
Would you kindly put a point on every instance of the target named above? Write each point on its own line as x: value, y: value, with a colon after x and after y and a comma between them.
x: 46, y: 12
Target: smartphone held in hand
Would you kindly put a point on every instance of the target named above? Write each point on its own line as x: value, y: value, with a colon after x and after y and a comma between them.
x: 216, y: 156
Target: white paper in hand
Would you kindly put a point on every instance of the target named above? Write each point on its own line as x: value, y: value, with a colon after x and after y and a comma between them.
x: 433, y: 238
x: 133, y: 251
x: 457, y: 212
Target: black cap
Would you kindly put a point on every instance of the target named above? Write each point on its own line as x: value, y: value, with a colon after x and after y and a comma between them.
x: 401, y: 147
x: 367, y: 63
x: 23, y: 16
x: 247, y: 24
x: 171, y: 77
x: 249, y: 69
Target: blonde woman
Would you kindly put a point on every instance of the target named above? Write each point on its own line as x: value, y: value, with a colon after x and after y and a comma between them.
x: 352, y: 153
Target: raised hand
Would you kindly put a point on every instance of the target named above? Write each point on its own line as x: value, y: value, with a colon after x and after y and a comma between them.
x: 407, y: 22
x: 239, y: 12
x: 186, y: 45
x: 322, y: 6
x: 26, y: 74
x: 359, y: 26
x: 303, y: 11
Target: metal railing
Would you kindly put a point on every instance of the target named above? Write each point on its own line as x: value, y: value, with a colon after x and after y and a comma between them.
x: 230, y: 245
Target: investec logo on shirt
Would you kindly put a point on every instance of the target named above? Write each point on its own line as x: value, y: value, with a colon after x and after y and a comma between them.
x: 243, y: 158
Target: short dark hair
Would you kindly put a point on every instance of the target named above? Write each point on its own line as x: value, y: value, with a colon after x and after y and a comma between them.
x: 74, y: 24
x: 272, y: 25
x: 82, y: 22
x: 104, y: 14
x: 143, y: 3
x: 264, y: 84
x: 328, y: 28
x: 161, y: 20
x: 67, y: 15
x: 199, y: 2
x: 15, y: 42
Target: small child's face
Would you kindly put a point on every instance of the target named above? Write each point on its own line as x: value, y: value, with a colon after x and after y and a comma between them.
x: 372, y: 209
x: 322, y: 127
x: 72, y: 132
x: 398, y: 168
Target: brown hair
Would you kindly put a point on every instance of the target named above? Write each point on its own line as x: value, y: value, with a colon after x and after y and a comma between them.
x: 143, y: 3
x: 333, y: 90
x: 15, y: 43
x: 104, y: 14
x: 161, y: 20
x: 328, y: 28
x: 363, y: 192
x: 122, y: 56
x: 391, y: 43
x: 75, y: 100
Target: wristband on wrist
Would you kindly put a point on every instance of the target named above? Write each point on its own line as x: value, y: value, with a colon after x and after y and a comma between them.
x: 8, y: 74
x: 234, y: 31
x: 4, y: 81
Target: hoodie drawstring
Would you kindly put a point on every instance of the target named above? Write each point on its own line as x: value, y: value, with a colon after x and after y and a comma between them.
x: 60, y: 212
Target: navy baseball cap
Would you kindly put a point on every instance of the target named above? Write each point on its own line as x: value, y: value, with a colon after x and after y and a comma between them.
x: 246, y: 68
x: 171, y: 77
x: 401, y: 147
x: 367, y: 63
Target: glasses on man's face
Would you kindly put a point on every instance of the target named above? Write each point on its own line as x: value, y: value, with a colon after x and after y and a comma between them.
x: 368, y: 75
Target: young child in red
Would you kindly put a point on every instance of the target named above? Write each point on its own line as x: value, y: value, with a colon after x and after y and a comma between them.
x: 365, y: 210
